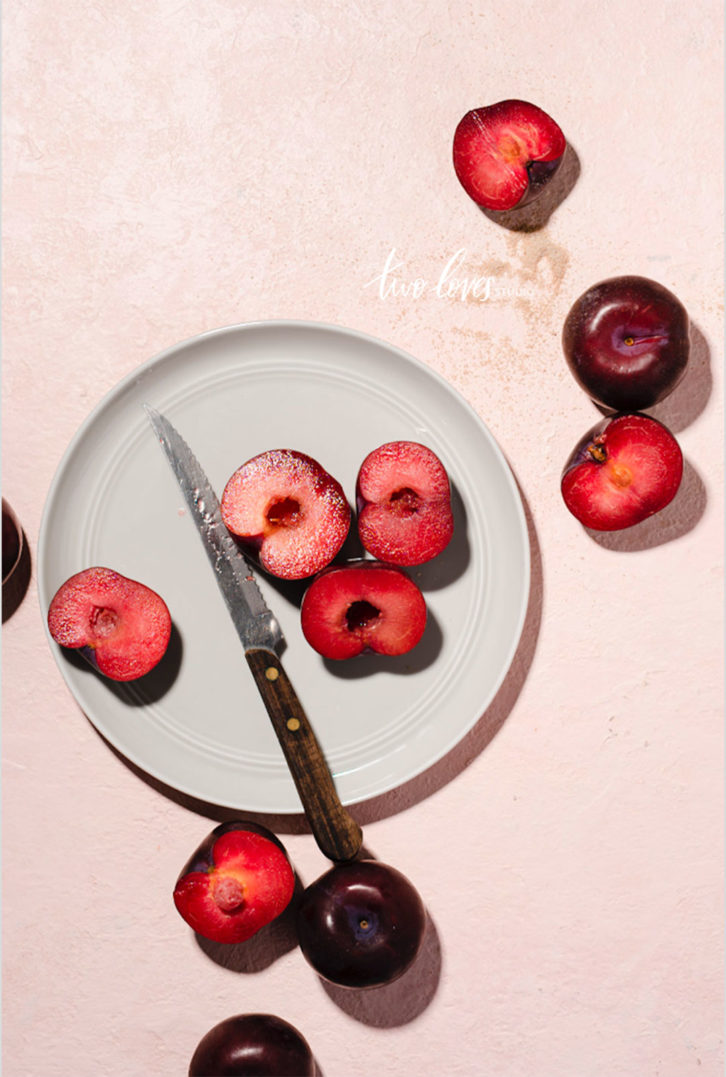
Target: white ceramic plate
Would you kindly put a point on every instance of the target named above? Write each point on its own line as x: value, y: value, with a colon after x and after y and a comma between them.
x: 196, y: 722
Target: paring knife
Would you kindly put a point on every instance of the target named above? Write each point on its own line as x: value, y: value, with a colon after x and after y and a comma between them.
x: 335, y: 831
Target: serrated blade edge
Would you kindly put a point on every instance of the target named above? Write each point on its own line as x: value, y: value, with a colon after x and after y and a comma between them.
x: 254, y: 621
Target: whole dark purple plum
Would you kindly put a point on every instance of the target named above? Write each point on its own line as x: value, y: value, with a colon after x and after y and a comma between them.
x: 361, y: 924
x: 252, y: 1045
x: 626, y: 341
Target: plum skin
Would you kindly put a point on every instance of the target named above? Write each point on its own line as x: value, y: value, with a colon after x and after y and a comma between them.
x: 252, y: 1045
x: 201, y: 859
x: 626, y: 341
x: 11, y: 540
x: 361, y: 924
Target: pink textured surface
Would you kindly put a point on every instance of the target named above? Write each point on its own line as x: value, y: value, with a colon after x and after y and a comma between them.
x: 170, y: 168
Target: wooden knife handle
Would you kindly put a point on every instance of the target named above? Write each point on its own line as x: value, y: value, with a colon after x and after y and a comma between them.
x: 337, y: 834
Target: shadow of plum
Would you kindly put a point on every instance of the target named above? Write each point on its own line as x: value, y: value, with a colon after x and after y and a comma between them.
x: 690, y: 397
x: 424, y: 654
x: 434, y: 575
x: 265, y: 948
x: 147, y: 689
x: 401, y: 1001
x: 536, y: 214
x: 452, y: 562
x: 671, y: 523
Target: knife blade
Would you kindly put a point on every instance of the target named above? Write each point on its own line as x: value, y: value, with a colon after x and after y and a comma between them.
x: 336, y: 832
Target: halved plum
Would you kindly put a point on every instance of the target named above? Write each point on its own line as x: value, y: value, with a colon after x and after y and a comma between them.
x: 290, y: 512
x: 505, y: 154
x: 363, y: 605
x: 119, y: 625
x: 404, y: 503
x: 238, y: 880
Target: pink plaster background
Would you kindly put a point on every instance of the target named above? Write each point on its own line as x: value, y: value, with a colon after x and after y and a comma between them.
x: 172, y: 167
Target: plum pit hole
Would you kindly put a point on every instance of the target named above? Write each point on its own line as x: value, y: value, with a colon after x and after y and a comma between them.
x: 361, y: 614
x: 405, y: 502
x: 285, y: 512
x: 104, y: 621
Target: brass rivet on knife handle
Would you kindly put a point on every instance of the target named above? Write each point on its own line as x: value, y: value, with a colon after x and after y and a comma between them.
x: 336, y: 832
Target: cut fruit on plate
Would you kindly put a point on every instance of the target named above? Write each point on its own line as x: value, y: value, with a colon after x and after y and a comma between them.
x: 199, y: 725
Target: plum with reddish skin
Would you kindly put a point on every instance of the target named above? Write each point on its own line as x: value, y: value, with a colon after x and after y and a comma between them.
x: 119, y: 625
x: 505, y: 154
x: 361, y: 924
x: 626, y: 469
x: 253, y: 1045
x: 288, y: 510
x: 363, y: 605
x: 626, y: 341
x: 238, y: 880
x: 403, y: 498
